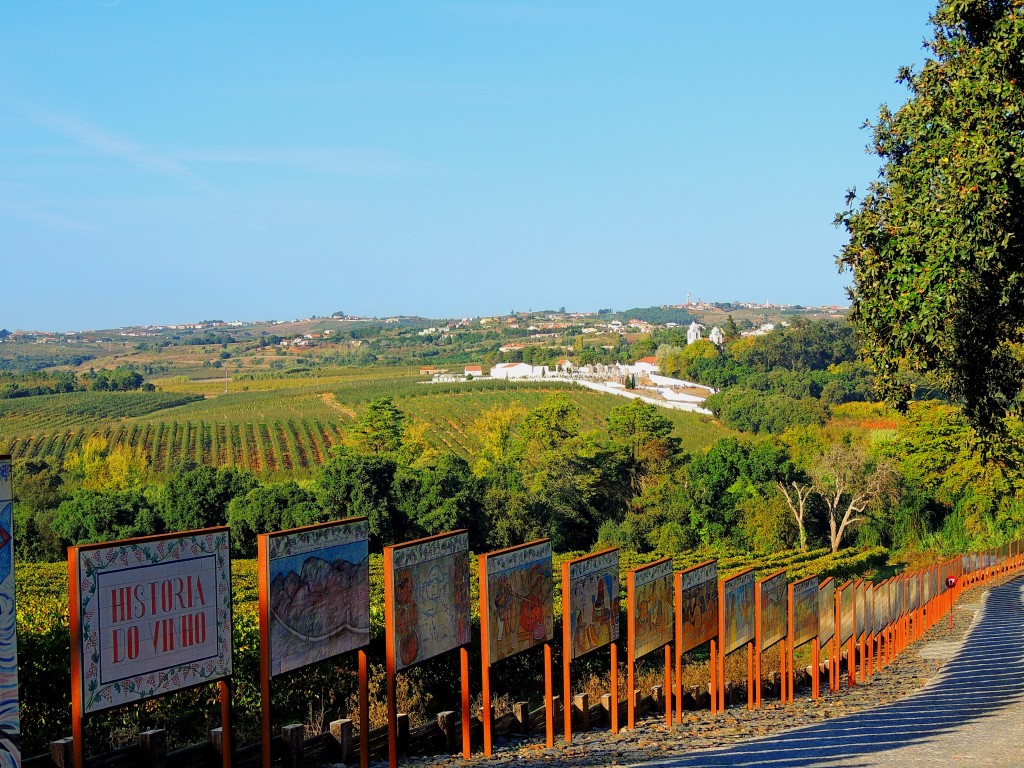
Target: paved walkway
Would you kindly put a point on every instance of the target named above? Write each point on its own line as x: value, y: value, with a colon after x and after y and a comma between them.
x: 971, y: 714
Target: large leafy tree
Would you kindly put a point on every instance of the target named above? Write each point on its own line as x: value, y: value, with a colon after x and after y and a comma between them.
x: 937, y: 244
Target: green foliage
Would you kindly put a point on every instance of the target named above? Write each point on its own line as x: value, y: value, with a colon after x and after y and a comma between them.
x: 199, y: 495
x: 750, y: 411
x: 268, y: 508
x: 380, y: 428
x: 89, y: 516
x: 934, y: 245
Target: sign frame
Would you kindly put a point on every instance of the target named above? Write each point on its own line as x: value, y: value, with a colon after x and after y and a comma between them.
x: 613, y: 632
x: 797, y: 590
x: 744, y: 580
x: 775, y: 582
x: 700, y: 574
x: 77, y: 556
x: 651, y: 573
x: 484, y: 562
x: 264, y: 543
x: 390, y: 600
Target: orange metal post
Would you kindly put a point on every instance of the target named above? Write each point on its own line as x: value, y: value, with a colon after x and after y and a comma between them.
x: 757, y: 645
x: 816, y: 666
x: 630, y: 651
x: 264, y: 617
x: 485, y: 667
x: 678, y: 580
x: 862, y: 646
x: 614, y: 687
x: 668, y: 686
x: 485, y: 693
x: 549, y: 703
x: 783, y: 673
x: 790, y: 680
x: 712, y: 688
x: 750, y: 678
x: 77, y: 717
x: 851, y: 662
x: 566, y: 656
x: 364, y: 712
x: 719, y: 684
x: 467, y: 746
x: 630, y: 697
x: 228, y: 742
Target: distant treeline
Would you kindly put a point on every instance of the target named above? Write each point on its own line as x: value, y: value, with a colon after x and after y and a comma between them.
x: 121, y: 379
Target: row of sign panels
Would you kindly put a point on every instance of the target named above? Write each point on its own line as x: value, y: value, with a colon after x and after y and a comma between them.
x: 153, y: 615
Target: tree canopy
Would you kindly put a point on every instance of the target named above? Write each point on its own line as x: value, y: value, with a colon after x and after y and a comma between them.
x: 935, y: 245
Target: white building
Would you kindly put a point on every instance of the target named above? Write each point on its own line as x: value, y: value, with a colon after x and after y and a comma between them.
x: 518, y: 371
x: 716, y: 336
x: 646, y: 365
x: 693, y: 332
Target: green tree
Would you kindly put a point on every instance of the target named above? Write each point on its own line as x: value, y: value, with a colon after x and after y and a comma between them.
x: 90, y: 516
x: 935, y: 245
x: 198, y: 495
x: 380, y: 428
x: 354, y: 484
x: 267, y: 508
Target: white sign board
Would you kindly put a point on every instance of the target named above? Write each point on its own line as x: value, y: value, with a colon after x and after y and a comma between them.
x: 154, y: 616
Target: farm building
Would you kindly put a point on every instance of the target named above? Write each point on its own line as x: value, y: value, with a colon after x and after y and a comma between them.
x: 518, y: 371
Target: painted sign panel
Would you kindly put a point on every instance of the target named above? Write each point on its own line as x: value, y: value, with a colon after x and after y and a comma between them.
x: 805, y: 610
x: 929, y: 585
x: 826, y: 611
x: 773, y: 607
x: 697, y: 611
x: 154, y: 616
x: 860, y: 613
x: 429, y: 586
x: 881, y: 603
x: 10, y: 724
x: 846, y: 607
x: 593, y: 591
x: 738, y: 611
x: 520, y: 602
x: 316, y: 582
x: 897, y: 598
x: 650, y: 611
x: 914, y: 594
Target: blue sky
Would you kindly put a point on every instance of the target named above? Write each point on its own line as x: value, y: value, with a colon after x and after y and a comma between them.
x: 163, y: 162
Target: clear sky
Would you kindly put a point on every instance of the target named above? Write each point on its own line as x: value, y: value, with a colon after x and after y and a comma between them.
x: 164, y: 162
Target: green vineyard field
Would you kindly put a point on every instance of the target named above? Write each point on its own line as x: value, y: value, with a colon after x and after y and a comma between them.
x: 282, y: 426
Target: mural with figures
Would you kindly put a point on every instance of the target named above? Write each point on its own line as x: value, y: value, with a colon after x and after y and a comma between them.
x: 862, y: 613
x: 846, y: 606
x: 316, y: 582
x: 429, y: 587
x: 697, y: 612
x: 881, y: 602
x: 650, y: 612
x: 805, y: 610
x: 737, y: 611
x: 10, y: 726
x: 774, y: 609
x: 826, y: 611
x: 593, y: 591
x: 520, y: 600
